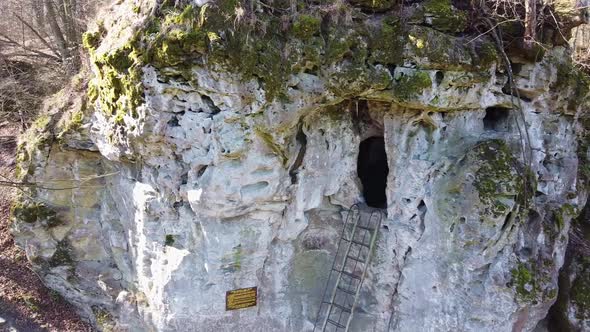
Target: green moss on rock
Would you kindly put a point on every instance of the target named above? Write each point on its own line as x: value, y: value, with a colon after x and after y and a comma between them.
x: 498, y: 176
x: 62, y: 255
x: 169, y: 240
x: 573, y: 79
x: 118, y: 87
x: 176, y: 46
x: 306, y: 26
x: 580, y: 291
x: 487, y: 54
x: 269, y: 140
x: 91, y: 40
x: 104, y: 319
x: 374, y: 5
x: 444, y: 17
x: 411, y: 86
x: 525, y: 284
x: 32, y: 212
x: 387, y: 44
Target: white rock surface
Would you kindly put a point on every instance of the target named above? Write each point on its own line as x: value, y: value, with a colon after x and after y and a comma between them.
x: 207, y: 194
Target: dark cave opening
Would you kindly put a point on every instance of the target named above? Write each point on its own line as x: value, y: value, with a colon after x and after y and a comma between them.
x: 496, y: 119
x: 372, y: 169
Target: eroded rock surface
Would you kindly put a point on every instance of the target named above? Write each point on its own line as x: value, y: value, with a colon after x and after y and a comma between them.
x: 210, y: 156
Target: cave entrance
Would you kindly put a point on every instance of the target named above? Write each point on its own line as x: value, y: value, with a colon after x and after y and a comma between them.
x: 372, y: 169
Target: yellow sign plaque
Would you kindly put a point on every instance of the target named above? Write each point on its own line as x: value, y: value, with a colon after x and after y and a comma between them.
x: 241, y: 298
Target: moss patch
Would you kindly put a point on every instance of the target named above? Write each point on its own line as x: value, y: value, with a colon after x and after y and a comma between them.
x: 374, y: 5
x: 62, y: 255
x: 169, y: 240
x: 306, y: 26
x: 269, y: 140
x: 387, y: 44
x: 498, y: 176
x: 524, y: 283
x: 104, y: 319
x: 411, y: 86
x: 32, y: 212
x: 445, y: 17
x: 566, y: 210
x: 118, y: 86
x: 580, y: 291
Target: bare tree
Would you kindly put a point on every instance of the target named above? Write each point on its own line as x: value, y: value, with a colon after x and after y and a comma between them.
x: 48, y: 28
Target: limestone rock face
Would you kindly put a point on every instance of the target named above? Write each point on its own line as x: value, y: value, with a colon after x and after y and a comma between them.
x: 190, y: 173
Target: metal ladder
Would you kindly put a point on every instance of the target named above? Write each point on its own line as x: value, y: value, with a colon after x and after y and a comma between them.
x: 349, y: 268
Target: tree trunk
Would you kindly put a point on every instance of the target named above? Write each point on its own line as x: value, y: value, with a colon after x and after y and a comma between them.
x: 56, y: 31
x: 530, y: 22
x: 39, y: 14
x: 69, y: 22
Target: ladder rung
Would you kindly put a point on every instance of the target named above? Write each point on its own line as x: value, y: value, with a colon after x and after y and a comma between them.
x: 357, y: 242
x: 348, y: 274
x: 336, y: 323
x: 341, y: 307
x: 365, y: 228
x: 356, y: 259
x: 347, y: 291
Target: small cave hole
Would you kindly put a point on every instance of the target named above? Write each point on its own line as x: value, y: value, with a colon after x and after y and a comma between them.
x: 438, y: 77
x: 516, y: 67
x: 422, y: 207
x: 391, y: 69
x: 372, y: 169
x: 173, y: 122
x: 209, y: 102
x: 506, y: 221
x: 496, y: 119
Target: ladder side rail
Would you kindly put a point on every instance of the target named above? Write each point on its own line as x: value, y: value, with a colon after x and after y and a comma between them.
x: 356, y: 260
x: 340, y: 274
x: 373, y: 241
x: 362, y: 246
x: 346, y: 222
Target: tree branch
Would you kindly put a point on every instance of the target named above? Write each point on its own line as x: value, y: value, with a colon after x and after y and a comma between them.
x: 46, y: 43
x: 9, y: 41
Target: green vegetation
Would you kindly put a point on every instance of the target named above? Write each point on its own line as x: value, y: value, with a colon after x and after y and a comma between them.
x: 580, y: 290
x: 570, y: 77
x: 118, y: 85
x: 411, y: 86
x: 376, y: 5
x: 524, y: 282
x: 388, y: 43
x: 233, y: 262
x: 445, y: 17
x: 532, y: 281
x: 91, y: 40
x: 497, y: 176
x: 268, y: 139
x: 62, y: 255
x: 306, y: 26
x: 73, y: 121
x: 30, y: 302
x: 32, y: 212
x: 562, y: 212
x: 169, y: 241
x: 104, y: 319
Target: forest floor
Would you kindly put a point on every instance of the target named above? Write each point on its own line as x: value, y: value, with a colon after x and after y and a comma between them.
x: 25, y: 303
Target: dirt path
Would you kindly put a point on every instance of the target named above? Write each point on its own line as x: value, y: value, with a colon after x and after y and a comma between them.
x: 25, y: 303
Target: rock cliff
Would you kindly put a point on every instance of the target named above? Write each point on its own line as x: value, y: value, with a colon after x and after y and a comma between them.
x: 218, y: 145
